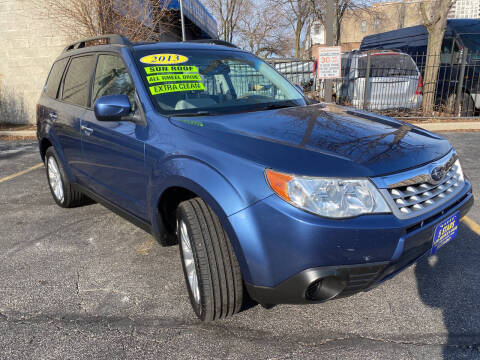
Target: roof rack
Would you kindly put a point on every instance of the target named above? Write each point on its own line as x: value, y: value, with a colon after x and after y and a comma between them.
x: 110, y: 38
x: 214, y: 41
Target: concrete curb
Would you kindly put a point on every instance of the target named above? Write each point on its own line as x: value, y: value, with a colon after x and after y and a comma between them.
x: 19, y: 133
x: 449, y: 126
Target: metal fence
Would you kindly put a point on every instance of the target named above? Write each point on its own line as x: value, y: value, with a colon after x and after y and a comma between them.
x: 299, y: 72
x: 392, y: 83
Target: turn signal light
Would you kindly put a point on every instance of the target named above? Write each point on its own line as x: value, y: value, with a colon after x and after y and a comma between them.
x: 279, y: 183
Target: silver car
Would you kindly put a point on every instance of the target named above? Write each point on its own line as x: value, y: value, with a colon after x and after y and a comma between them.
x: 394, y: 82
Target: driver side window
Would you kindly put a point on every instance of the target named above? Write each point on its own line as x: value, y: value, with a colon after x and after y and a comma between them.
x: 112, y: 78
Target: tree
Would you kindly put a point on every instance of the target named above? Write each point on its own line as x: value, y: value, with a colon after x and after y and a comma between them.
x: 229, y: 13
x: 435, y: 21
x: 317, y: 7
x: 297, y: 13
x: 138, y: 20
x: 262, y: 36
x: 400, y: 12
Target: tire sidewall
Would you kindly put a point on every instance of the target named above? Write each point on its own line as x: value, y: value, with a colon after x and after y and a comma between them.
x: 198, y: 308
x: 51, y: 153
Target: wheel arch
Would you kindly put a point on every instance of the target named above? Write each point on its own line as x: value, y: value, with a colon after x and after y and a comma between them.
x: 44, y: 144
x: 211, y: 187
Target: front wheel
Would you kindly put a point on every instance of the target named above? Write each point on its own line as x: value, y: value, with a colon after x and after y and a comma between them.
x: 212, y: 273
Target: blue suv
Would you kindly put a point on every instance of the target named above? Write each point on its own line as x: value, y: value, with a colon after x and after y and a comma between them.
x: 270, y: 196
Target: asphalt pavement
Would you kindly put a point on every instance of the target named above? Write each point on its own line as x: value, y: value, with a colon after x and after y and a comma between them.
x: 85, y: 284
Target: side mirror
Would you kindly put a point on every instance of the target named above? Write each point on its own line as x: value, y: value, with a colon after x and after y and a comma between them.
x: 112, y: 107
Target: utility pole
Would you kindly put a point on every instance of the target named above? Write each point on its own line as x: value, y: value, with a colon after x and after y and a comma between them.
x: 184, y: 37
x: 329, y: 15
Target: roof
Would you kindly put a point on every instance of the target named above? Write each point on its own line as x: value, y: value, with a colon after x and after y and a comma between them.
x: 115, y: 41
x: 181, y: 46
x: 464, y: 26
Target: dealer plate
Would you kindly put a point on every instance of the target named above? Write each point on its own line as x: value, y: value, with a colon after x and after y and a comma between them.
x: 444, y: 232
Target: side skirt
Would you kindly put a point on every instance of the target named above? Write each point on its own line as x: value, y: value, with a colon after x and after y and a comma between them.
x: 142, y: 224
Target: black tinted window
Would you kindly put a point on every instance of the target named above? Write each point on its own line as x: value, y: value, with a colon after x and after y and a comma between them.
x: 53, y: 82
x: 112, y: 78
x: 386, y: 65
x: 77, y: 81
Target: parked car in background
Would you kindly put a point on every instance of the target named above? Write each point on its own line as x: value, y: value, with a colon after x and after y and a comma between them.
x: 267, y: 197
x: 394, y: 81
x: 460, y: 35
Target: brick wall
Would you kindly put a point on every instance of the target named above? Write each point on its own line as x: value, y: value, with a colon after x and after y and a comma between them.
x: 29, y: 42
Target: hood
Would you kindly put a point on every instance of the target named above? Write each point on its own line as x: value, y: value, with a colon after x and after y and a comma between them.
x: 321, y: 140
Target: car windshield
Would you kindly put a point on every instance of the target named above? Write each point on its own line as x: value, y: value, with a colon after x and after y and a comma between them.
x: 472, y: 42
x: 204, y: 82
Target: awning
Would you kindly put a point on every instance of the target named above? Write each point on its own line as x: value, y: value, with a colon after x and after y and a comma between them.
x: 197, y: 14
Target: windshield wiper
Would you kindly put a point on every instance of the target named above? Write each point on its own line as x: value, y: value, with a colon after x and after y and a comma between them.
x: 279, y: 105
x: 196, y: 113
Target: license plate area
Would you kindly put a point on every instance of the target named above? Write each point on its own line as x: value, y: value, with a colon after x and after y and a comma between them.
x: 444, y: 232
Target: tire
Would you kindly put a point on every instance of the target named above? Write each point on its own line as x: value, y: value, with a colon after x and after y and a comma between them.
x: 60, y: 187
x: 208, y: 257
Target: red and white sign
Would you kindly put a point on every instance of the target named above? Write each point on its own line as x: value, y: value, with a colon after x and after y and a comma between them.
x: 329, y: 62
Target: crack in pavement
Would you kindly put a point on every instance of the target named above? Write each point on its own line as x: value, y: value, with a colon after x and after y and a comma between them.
x: 126, y: 326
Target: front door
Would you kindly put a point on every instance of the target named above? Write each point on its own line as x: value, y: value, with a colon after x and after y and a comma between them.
x: 113, y: 152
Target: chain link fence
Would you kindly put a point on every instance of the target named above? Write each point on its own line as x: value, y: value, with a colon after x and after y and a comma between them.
x: 392, y: 83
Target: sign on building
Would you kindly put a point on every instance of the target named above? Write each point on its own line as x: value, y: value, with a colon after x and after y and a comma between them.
x: 329, y: 62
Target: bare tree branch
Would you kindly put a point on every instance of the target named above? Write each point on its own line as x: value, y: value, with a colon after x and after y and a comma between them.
x: 139, y: 21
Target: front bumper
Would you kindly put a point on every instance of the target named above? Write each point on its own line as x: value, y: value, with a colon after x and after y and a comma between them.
x: 294, y: 257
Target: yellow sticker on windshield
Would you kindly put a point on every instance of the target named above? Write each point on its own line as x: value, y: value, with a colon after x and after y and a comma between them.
x: 173, y: 77
x: 164, y: 59
x: 171, y: 69
x: 169, y: 88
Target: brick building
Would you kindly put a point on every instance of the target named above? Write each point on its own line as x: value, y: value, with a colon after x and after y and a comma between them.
x: 385, y: 16
x: 30, y: 42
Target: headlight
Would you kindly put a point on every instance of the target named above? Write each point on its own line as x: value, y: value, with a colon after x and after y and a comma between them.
x: 329, y: 197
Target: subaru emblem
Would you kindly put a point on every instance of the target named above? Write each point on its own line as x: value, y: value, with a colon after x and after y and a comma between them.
x: 438, y: 173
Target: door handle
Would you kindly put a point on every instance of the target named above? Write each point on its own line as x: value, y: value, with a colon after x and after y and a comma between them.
x: 52, y: 116
x: 86, y: 130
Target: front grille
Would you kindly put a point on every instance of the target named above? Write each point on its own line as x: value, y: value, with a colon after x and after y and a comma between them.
x: 425, y: 196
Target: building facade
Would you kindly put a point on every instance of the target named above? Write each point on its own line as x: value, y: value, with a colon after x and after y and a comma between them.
x: 385, y: 16
x: 30, y: 42
x: 465, y: 9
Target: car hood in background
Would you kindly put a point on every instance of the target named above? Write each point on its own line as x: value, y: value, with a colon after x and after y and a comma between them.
x: 321, y: 140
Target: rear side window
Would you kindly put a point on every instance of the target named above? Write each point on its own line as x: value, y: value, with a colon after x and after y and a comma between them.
x: 53, y: 82
x: 112, y: 78
x: 388, y: 66
x: 77, y: 80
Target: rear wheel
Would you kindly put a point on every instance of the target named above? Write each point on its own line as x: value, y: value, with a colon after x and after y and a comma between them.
x: 212, y: 273
x: 60, y: 187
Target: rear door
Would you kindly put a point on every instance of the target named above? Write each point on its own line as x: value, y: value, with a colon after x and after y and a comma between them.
x: 394, y: 79
x: 113, y: 152
x: 71, y: 107
x: 48, y: 104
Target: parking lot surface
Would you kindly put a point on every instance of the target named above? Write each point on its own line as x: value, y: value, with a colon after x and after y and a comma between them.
x: 84, y: 283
